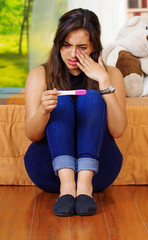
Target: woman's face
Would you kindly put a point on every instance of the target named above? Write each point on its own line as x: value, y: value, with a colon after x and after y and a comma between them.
x: 75, y: 40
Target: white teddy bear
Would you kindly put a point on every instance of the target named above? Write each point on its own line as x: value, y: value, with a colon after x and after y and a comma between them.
x: 129, y: 53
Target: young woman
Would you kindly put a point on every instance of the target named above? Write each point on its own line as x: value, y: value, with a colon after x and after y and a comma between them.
x: 73, y: 150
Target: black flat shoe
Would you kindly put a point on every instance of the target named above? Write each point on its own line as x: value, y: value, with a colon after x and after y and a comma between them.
x: 64, y: 206
x: 85, y: 205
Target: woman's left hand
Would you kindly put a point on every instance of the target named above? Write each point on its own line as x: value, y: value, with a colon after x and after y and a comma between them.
x: 92, y: 69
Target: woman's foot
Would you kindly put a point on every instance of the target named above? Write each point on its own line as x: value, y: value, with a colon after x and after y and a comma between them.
x: 64, y: 206
x: 85, y: 203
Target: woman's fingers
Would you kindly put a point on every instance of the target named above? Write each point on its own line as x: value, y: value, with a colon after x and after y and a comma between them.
x: 93, y: 70
x: 50, y: 92
x: 83, y: 58
x: 83, y: 69
x: 50, y: 105
x: 100, y: 61
x: 49, y: 99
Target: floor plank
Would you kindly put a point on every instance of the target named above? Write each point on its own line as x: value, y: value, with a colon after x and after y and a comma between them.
x: 16, y: 213
x: 19, y: 197
x: 26, y: 214
x: 2, y: 193
x: 45, y: 224
x: 122, y: 216
x: 15, y: 224
x: 140, y: 197
x: 92, y: 227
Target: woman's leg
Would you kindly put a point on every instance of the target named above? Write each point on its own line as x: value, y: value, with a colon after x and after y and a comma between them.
x: 60, y: 133
x: 91, y: 122
x: 96, y: 148
x: 56, y: 150
x: 58, y: 154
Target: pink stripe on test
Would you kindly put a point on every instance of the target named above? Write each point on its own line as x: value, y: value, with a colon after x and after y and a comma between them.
x: 80, y: 92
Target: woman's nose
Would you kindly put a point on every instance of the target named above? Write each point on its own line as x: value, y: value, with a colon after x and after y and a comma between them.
x: 73, y: 52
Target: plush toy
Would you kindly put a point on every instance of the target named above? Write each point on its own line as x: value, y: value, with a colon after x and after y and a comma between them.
x: 129, y: 53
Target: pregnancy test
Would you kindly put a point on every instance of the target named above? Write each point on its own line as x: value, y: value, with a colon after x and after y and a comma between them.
x: 72, y: 92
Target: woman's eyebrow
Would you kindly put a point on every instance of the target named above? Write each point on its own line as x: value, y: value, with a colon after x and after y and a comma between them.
x: 82, y: 44
x: 67, y: 43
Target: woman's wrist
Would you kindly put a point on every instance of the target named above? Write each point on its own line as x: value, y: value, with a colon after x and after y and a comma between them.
x: 44, y: 115
x: 104, y: 84
x: 104, y: 81
x: 43, y: 111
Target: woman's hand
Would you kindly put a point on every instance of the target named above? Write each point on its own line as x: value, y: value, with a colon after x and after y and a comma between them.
x: 49, y: 100
x: 92, y: 69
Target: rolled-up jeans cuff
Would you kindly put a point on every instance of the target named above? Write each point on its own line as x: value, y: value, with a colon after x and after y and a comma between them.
x: 63, y: 161
x: 87, y: 164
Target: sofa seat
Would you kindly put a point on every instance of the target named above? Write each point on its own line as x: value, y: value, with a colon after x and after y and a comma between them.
x: 13, y: 145
x: 133, y: 144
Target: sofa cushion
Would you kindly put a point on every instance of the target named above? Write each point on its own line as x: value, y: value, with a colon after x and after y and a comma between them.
x: 134, y: 144
x: 13, y: 145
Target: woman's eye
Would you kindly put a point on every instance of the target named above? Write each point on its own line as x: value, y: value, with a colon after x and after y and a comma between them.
x: 66, y: 45
x: 146, y: 27
x: 83, y: 48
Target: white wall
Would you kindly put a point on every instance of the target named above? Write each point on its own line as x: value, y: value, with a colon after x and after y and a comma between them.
x: 111, y: 13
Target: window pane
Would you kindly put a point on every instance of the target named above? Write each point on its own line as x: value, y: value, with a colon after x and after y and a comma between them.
x: 20, y: 21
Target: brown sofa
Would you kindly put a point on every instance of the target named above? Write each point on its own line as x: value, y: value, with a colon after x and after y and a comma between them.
x: 13, y: 143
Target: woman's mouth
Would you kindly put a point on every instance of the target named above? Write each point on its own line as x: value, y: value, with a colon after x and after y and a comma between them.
x: 71, y: 62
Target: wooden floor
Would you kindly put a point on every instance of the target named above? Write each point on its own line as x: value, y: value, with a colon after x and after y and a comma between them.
x: 26, y: 213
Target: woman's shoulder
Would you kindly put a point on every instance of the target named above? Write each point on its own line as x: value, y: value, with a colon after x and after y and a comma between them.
x: 37, y: 78
x: 37, y: 72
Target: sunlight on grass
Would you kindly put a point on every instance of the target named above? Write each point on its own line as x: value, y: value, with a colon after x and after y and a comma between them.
x: 13, y: 67
x: 13, y: 70
x: 10, y: 43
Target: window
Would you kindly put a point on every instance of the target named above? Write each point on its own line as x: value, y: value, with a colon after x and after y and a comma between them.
x: 21, y: 20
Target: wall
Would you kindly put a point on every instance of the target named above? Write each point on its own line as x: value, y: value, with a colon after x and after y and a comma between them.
x: 112, y: 15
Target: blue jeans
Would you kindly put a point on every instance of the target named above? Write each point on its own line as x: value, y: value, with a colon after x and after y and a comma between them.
x: 76, y: 137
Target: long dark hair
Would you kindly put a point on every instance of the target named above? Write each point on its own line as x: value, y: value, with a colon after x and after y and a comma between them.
x: 57, y: 74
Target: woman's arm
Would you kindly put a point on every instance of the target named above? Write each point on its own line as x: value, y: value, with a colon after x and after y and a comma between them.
x: 39, y: 103
x: 116, y: 102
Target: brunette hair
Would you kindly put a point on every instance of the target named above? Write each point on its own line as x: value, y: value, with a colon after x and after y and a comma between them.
x: 57, y: 74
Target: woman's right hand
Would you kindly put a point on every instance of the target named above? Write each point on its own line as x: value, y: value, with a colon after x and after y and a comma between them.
x: 49, y: 100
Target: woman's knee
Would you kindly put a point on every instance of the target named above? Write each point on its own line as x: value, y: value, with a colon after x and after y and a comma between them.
x: 91, y: 106
x: 92, y: 100
x: 63, y: 113
x: 65, y: 103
